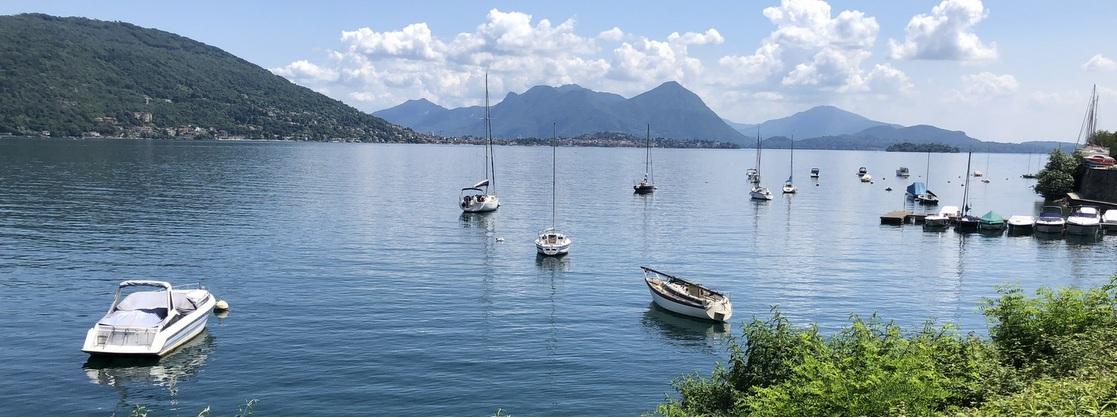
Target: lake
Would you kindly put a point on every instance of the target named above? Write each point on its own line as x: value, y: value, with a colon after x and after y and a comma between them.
x: 357, y: 287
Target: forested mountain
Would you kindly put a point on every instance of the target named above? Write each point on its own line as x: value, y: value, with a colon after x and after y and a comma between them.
x: 73, y: 76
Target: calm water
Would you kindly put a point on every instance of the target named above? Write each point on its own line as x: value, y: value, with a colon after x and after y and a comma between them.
x: 357, y: 287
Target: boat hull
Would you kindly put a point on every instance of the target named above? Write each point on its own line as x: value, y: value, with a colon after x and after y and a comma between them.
x: 490, y: 204
x: 760, y: 196
x: 553, y: 250
x: 1020, y: 229
x: 111, y: 341
x: 643, y: 189
x: 1049, y: 228
x: 687, y: 309
x: 1081, y: 229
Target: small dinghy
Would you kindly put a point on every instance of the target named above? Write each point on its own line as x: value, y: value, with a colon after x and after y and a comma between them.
x: 687, y: 298
x: 150, y: 322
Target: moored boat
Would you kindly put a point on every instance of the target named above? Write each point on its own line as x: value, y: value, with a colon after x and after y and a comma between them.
x: 903, y: 172
x: 866, y: 178
x: 552, y: 241
x: 1021, y: 224
x: 149, y: 322
x: 815, y: 173
x: 1084, y: 220
x: 1109, y: 221
x: 688, y: 298
x: 760, y: 193
x: 991, y: 221
x: 482, y: 196
x: 861, y: 171
x: 647, y: 184
x: 941, y: 219
x: 918, y: 192
x: 1050, y: 220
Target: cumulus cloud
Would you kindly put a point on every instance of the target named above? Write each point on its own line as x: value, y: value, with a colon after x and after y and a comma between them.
x: 306, y: 71
x: 983, y: 86
x: 945, y: 34
x: 1099, y: 63
x: 612, y: 35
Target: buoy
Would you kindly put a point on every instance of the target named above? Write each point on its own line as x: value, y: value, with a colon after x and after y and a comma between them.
x: 888, y: 189
x: 221, y: 306
x: 499, y: 239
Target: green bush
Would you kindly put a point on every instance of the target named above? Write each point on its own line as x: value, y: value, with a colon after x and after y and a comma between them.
x: 1052, y: 354
x: 1059, y: 176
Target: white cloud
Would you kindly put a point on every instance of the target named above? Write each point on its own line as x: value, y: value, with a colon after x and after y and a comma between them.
x: 1099, y: 63
x: 946, y: 34
x: 612, y: 35
x: 306, y: 71
x: 886, y: 79
x: 983, y: 87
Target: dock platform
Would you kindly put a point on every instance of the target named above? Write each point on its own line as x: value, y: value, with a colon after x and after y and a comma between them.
x: 896, y: 217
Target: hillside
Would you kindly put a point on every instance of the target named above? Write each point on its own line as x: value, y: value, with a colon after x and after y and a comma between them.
x: 814, y: 122
x: 75, y: 76
x: 673, y: 111
x: 881, y: 137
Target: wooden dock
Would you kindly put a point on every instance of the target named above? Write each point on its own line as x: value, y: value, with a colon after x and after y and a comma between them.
x: 896, y: 217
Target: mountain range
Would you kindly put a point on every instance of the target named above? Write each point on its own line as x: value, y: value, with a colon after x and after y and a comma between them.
x: 672, y: 110
x: 675, y: 112
x: 68, y: 76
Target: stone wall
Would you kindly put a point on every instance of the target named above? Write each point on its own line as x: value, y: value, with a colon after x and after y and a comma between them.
x: 1099, y: 185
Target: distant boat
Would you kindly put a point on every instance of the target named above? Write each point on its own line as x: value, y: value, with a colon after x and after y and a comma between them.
x: 865, y: 178
x: 1021, y: 224
x: 1050, y: 220
x: 861, y: 171
x: 1084, y: 220
x: 646, y: 185
x: 902, y: 172
x: 478, y: 198
x: 978, y: 173
x: 789, y: 186
x: 814, y: 173
x: 552, y: 241
x: 149, y: 322
x: 918, y: 192
x: 941, y: 219
x: 759, y: 192
x: 687, y: 298
x: 991, y: 221
x: 967, y: 222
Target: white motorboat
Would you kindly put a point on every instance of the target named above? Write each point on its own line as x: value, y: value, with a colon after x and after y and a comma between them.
x: 941, y: 219
x: 1084, y: 220
x: 1021, y: 224
x: 788, y: 187
x: 149, y: 322
x: 647, y: 184
x: 903, y: 172
x: 866, y: 178
x: 1109, y: 220
x: 760, y: 193
x: 687, y: 298
x: 1050, y: 220
x: 480, y: 198
x: 861, y: 171
x: 978, y: 173
x: 553, y: 241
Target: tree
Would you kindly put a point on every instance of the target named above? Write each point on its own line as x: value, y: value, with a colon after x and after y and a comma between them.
x: 1058, y: 177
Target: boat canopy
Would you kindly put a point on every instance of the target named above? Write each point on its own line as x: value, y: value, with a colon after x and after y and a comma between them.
x: 152, y: 283
x: 991, y: 217
x: 917, y: 188
x: 481, y: 183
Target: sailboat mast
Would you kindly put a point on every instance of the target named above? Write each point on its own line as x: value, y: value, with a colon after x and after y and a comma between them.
x: 792, y: 174
x: 927, y: 176
x: 966, y: 192
x: 554, y: 164
x: 490, y: 163
x: 757, y: 152
x: 648, y: 151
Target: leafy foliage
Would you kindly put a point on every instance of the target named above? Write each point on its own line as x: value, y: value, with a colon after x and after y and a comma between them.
x: 1047, y: 355
x: 1058, y: 177
x: 1109, y: 140
x: 74, y: 75
x: 910, y: 147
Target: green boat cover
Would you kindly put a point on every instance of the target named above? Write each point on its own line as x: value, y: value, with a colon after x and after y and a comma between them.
x: 992, y: 218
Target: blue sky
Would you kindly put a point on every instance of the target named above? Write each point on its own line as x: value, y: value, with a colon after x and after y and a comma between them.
x: 998, y: 70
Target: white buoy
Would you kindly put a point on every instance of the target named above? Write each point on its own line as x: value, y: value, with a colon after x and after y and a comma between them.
x: 221, y: 306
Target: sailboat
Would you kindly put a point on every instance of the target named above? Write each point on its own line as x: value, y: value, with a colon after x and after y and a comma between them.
x: 918, y: 191
x: 1029, y: 174
x: 646, y: 185
x: 479, y: 197
x: 788, y: 186
x: 759, y: 192
x: 967, y: 222
x: 552, y: 241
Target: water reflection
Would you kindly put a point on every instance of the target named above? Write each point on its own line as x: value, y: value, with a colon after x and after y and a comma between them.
x: 136, y: 375
x: 481, y: 221
x: 706, y: 336
x: 552, y: 264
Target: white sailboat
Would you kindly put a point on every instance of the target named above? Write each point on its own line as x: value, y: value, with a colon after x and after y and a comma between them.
x: 759, y: 192
x: 479, y: 198
x: 552, y: 241
x: 789, y: 186
x: 647, y: 185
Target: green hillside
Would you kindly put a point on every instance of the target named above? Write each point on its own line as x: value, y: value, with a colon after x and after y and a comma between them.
x: 73, y: 76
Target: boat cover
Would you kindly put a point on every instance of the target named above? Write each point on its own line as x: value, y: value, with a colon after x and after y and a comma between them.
x: 139, y: 310
x: 993, y: 218
x: 917, y: 188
